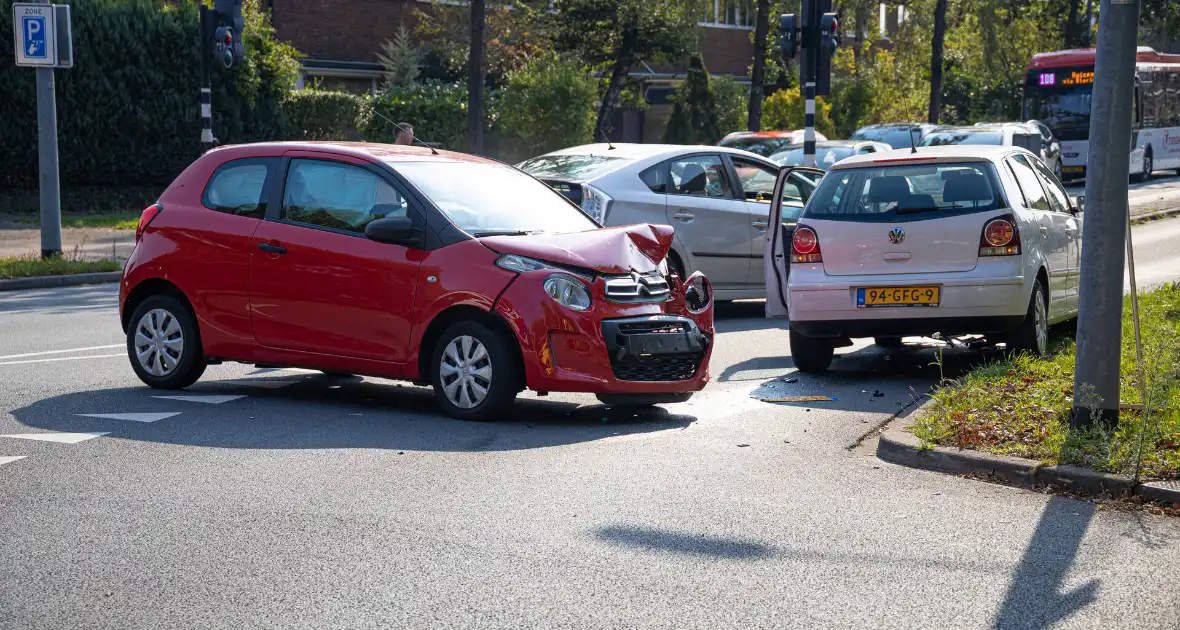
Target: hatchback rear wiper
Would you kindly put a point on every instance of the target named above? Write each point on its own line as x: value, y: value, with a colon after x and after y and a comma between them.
x: 502, y: 233
x: 917, y: 210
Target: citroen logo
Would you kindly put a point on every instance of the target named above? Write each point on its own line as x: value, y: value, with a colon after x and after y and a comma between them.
x: 896, y: 235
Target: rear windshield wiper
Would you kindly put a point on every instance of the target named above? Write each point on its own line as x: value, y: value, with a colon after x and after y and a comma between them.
x: 917, y: 210
x: 502, y: 233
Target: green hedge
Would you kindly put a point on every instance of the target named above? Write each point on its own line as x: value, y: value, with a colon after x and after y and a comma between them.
x: 437, y: 111
x: 323, y: 115
x: 546, y: 105
x: 128, y: 110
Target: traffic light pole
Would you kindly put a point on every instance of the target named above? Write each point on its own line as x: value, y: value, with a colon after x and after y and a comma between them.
x: 207, y: 139
x: 1104, y: 230
x: 809, y: 123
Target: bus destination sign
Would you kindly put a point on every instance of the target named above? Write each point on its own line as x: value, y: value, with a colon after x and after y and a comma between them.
x: 1065, y: 78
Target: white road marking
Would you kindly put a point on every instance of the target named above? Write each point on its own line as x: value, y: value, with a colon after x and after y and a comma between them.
x: 133, y: 417
x: 268, y: 384
x: 93, y: 356
x: 50, y: 309
x: 37, y: 354
x: 62, y: 438
x: 10, y: 459
x: 210, y: 399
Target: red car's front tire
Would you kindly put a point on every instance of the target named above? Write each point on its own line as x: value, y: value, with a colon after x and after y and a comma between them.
x: 475, y: 372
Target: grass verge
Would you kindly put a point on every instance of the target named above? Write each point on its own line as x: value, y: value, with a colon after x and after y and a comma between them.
x: 1021, y: 406
x: 32, y: 265
x: 121, y: 221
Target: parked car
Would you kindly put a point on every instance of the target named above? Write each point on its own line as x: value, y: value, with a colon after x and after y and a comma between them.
x: 407, y: 263
x: 1001, y: 134
x: 896, y: 135
x: 829, y: 152
x: 766, y: 143
x: 718, y: 200
x: 995, y: 251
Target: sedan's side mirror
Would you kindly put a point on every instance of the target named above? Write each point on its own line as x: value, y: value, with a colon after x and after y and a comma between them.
x: 393, y: 230
x: 1079, y: 204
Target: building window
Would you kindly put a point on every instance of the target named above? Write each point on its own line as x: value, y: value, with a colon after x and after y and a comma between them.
x: 730, y: 14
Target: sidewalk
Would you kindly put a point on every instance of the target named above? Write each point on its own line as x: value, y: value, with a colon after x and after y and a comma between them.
x: 21, y: 239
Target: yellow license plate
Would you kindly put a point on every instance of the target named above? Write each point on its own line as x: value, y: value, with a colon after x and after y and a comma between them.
x: 897, y: 296
x: 1074, y: 169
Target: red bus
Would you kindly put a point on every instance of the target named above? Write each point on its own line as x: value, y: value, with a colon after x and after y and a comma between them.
x: 1058, y: 90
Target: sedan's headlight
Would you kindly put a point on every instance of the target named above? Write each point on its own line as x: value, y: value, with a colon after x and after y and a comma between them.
x: 595, y: 203
x: 568, y: 291
x: 520, y: 264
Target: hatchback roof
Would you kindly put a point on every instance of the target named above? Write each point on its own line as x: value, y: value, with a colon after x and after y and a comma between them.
x: 641, y: 151
x: 949, y: 153
x: 370, y: 150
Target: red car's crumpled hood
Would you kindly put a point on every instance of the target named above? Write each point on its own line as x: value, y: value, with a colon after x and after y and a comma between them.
x: 616, y: 250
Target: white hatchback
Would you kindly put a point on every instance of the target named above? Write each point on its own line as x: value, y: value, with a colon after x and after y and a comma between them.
x: 954, y: 240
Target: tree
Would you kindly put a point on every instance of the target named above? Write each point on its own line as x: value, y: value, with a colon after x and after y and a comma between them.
x: 475, y: 74
x: 694, y: 115
x: 513, y: 36
x: 402, y: 60
x: 936, y: 49
x: 547, y: 105
x: 758, y: 75
x: 616, y: 35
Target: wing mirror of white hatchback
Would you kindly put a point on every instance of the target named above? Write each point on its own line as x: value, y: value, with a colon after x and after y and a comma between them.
x: 1079, y: 205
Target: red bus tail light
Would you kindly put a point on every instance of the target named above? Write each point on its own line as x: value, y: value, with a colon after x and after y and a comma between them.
x: 145, y: 219
x: 805, y: 246
x: 1000, y: 237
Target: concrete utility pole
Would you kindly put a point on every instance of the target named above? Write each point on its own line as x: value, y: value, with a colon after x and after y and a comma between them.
x: 50, y: 177
x: 1104, y: 233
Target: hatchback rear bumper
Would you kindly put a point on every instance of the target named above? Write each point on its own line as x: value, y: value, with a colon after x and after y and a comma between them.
x: 918, y: 327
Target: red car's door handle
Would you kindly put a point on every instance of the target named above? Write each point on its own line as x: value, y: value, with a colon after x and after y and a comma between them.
x: 273, y: 249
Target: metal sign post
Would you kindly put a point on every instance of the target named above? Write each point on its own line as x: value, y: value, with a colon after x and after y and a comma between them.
x: 43, y: 39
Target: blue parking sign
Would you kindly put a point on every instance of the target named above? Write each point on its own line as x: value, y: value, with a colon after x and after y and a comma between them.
x: 35, y: 45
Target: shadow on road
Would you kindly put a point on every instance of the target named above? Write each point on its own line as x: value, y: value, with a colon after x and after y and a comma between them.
x: 709, y: 546
x: 1036, y: 597
x: 317, y: 412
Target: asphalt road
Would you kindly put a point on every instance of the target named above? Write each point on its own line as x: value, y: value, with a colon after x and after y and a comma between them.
x: 281, y: 498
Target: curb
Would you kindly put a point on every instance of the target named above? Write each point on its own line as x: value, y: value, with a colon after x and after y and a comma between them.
x: 1148, y: 217
x: 69, y: 280
x: 898, y: 446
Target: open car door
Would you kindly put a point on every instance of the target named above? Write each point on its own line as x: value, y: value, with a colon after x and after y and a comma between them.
x: 793, y: 188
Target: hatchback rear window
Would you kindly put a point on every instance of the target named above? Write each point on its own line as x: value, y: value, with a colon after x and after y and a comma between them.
x: 905, y: 192
x: 577, y: 168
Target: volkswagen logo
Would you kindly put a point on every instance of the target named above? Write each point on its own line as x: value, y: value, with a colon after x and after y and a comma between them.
x: 896, y: 235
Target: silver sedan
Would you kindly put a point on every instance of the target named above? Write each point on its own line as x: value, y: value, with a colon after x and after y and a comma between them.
x: 716, y: 198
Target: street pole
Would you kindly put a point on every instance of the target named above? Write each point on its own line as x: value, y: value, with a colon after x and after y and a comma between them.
x: 1100, y: 326
x: 49, y: 176
x: 206, y: 99
x: 810, y: 59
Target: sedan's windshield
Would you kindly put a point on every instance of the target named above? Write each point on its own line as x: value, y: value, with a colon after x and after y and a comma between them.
x: 824, y: 156
x: 891, y: 193
x: 481, y: 197
x: 761, y: 145
x: 579, y: 167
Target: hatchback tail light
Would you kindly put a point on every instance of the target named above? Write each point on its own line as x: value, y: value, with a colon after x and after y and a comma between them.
x: 805, y: 246
x: 1000, y: 237
x: 145, y: 219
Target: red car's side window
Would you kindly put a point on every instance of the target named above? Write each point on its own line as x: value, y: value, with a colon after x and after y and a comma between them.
x: 338, y: 196
x: 239, y: 187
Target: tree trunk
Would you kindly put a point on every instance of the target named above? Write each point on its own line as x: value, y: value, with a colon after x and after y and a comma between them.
x: 1072, y: 27
x: 476, y: 60
x: 936, y: 47
x: 1089, y: 22
x: 758, y: 75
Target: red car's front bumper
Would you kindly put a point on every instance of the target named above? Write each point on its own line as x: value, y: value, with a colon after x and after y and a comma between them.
x: 611, y: 348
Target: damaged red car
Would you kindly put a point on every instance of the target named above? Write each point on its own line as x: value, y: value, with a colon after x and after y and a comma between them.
x: 407, y: 263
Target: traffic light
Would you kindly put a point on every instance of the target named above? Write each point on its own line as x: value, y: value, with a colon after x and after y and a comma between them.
x: 223, y: 46
x: 228, y: 46
x: 829, y: 41
x: 788, y: 35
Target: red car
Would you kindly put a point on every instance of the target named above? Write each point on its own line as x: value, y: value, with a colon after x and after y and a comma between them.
x: 407, y: 263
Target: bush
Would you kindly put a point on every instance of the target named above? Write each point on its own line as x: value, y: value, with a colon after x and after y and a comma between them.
x: 437, y: 111
x: 733, y: 105
x: 128, y: 110
x: 784, y: 111
x: 546, y: 105
x: 323, y: 115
